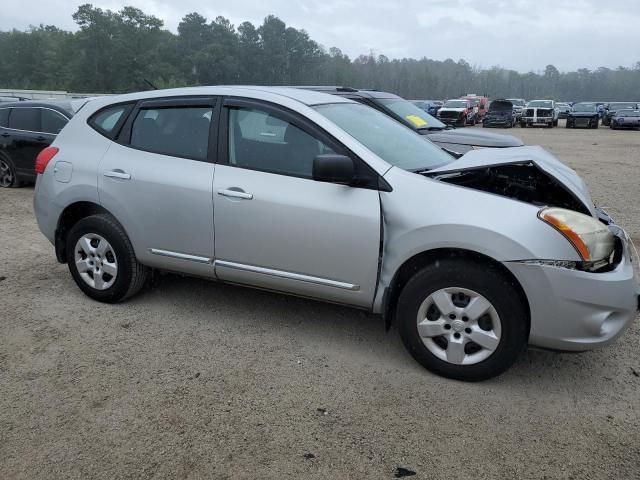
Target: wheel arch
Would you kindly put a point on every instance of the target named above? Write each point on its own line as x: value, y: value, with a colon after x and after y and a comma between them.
x: 419, y: 260
x: 71, y: 215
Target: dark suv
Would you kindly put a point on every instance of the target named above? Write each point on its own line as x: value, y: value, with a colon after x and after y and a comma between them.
x: 458, y: 141
x: 25, y: 129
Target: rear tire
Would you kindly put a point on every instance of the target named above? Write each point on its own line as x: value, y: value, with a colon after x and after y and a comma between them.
x: 505, y: 328
x: 102, y: 261
x: 8, y: 176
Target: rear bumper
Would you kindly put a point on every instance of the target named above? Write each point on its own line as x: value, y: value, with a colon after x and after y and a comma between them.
x: 573, y: 310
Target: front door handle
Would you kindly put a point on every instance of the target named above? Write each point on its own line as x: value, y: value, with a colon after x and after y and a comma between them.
x: 235, y: 194
x: 117, y: 174
x: 5, y: 134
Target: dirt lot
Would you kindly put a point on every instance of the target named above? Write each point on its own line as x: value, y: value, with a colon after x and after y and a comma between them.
x: 200, y: 380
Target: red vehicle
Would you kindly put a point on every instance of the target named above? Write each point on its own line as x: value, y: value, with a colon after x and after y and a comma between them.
x: 480, y: 105
x: 458, y: 112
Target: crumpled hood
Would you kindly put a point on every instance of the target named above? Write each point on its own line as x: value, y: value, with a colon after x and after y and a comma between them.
x: 537, y: 155
x: 471, y: 136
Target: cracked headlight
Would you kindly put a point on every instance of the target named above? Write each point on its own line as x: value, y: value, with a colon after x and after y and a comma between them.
x: 592, y: 240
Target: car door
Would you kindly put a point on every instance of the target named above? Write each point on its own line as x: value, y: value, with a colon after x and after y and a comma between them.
x: 25, y: 125
x: 276, y: 227
x: 157, y: 178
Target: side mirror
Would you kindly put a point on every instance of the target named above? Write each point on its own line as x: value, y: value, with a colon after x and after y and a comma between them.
x: 334, y: 169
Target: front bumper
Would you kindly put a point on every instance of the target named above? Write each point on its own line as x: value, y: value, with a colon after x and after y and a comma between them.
x: 497, y: 121
x: 574, y: 310
x: 451, y: 121
x: 628, y: 124
x: 531, y: 121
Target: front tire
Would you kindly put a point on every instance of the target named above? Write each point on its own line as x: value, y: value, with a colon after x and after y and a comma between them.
x: 462, y: 319
x: 102, y: 261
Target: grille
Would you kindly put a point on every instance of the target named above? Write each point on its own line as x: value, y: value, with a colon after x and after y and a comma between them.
x: 544, y: 113
x: 528, y: 112
x: 448, y: 114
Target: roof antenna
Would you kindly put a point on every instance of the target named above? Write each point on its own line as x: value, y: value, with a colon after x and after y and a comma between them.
x: 149, y: 83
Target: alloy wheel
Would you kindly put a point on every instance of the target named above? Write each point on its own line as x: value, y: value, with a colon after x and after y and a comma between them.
x: 6, y: 174
x: 459, y: 326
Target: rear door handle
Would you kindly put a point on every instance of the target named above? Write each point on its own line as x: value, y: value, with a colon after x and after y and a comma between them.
x: 235, y: 194
x: 117, y: 174
x: 5, y: 134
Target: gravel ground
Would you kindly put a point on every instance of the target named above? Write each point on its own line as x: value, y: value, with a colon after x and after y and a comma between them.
x: 193, y: 379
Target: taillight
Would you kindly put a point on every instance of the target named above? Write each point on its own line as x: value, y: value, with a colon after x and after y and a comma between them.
x: 44, y: 157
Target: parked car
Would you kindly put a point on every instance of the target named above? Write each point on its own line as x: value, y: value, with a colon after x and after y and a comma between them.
x: 458, y: 112
x: 613, y: 108
x: 540, y: 113
x: 454, y: 140
x: 518, y: 106
x: 626, y: 119
x: 325, y: 198
x: 583, y: 114
x: 479, y: 104
x: 429, y: 106
x: 500, y: 114
x: 563, y: 109
x: 26, y: 127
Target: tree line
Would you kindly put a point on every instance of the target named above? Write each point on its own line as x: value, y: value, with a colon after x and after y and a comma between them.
x: 117, y: 52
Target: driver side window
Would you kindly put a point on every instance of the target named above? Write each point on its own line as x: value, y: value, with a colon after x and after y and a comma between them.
x: 259, y: 140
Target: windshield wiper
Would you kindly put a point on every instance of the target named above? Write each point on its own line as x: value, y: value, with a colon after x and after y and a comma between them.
x: 431, y: 129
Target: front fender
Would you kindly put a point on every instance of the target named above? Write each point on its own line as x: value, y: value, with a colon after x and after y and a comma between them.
x: 422, y: 214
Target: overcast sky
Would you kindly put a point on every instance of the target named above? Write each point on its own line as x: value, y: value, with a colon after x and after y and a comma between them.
x: 520, y: 34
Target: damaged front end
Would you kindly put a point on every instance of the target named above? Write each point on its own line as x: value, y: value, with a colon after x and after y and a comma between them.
x: 522, y: 181
x: 537, y: 178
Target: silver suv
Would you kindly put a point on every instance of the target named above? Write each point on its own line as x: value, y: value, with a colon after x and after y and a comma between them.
x: 314, y: 195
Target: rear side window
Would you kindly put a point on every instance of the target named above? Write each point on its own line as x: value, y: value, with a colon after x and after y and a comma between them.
x: 175, y: 131
x: 106, y: 121
x: 4, y: 117
x: 52, y: 122
x: 25, y: 119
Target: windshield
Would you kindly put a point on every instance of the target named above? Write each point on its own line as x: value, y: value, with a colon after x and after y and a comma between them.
x: 541, y: 103
x: 629, y: 113
x: 408, y: 111
x: 584, y: 107
x: 517, y: 101
x: 455, y: 104
x: 618, y: 106
x: 474, y: 102
x: 390, y: 140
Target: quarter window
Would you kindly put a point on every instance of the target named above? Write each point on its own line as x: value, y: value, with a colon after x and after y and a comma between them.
x: 175, y: 131
x: 52, y: 122
x: 25, y: 119
x: 258, y: 140
x: 107, y: 119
